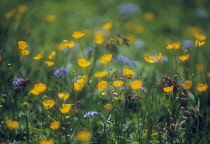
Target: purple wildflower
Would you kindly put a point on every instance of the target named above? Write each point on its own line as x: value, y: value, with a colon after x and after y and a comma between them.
x: 17, y: 82
x: 139, y: 43
x: 62, y: 72
x: 143, y: 89
x: 128, y: 9
x: 187, y: 44
x: 164, y: 58
x: 91, y: 114
x: 132, y: 63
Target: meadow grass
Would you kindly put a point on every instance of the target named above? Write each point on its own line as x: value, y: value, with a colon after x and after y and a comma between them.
x: 104, y: 72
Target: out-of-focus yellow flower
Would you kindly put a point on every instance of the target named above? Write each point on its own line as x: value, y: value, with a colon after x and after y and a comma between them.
x: 83, y: 136
x: 49, y: 63
x: 175, y: 45
x: 22, y: 9
x: 200, y: 36
x: 99, y: 39
x: 78, y: 86
x: 52, y: 55
x: 68, y: 44
x: 65, y: 108
x: 187, y: 85
x: 84, y: 79
x: 107, y: 26
x: 168, y: 89
x: 38, y: 57
x: 149, y: 58
x: 78, y: 34
x: 1, y: 58
x: 46, y: 142
x: 200, y: 68
x: 55, y: 125
x: 48, y: 103
x: 145, y: 132
x: 22, y: 45
x: 208, y: 74
x: 118, y: 83
x: 50, y: 18
x: 136, y: 84
x: 38, y: 88
x: 128, y: 73
x: 25, y: 104
x: 202, y: 87
x: 131, y: 39
x: 63, y: 96
x: 102, y: 85
x: 136, y: 28
x: 105, y: 58
x: 100, y: 74
x: 10, y: 14
x: 108, y: 107
x: 199, y: 43
x: 194, y: 30
x: 25, y: 52
x: 149, y: 16
x: 83, y: 62
x: 184, y: 57
x: 159, y: 56
x: 12, y: 125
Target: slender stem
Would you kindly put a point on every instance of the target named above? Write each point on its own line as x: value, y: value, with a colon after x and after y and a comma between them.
x: 175, y: 62
x: 27, y: 127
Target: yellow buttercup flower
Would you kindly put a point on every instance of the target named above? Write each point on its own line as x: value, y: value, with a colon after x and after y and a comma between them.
x: 46, y: 142
x: 52, y: 55
x: 68, y: 44
x: 108, y: 107
x: 12, y: 125
x: 84, y: 79
x: 77, y: 34
x: 136, y: 84
x: 102, y: 85
x: 100, y: 74
x: 184, y: 57
x: 65, y: 108
x: 48, y: 103
x: 149, y: 16
x: 127, y: 72
x: 149, y: 58
x: 38, y: 88
x: 200, y: 36
x: 168, y: 89
x: 199, y: 43
x: 49, y: 63
x: 22, y: 45
x: 83, y: 62
x: 38, y: 57
x: 25, y: 52
x: 105, y: 58
x: 63, y: 96
x: 159, y: 56
x: 187, y: 85
x: 200, y: 68
x: 50, y: 18
x: 118, y: 83
x: 99, y: 39
x: 55, y: 125
x: 84, y: 136
x: 22, y: 9
x: 202, y: 87
x: 78, y: 86
x: 175, y: 45
x: 107, y: 26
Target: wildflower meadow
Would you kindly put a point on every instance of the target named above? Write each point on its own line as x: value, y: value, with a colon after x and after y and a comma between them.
x: 104, y: 72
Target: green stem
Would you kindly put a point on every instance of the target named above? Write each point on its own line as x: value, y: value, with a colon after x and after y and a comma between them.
x: 27, y: 127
